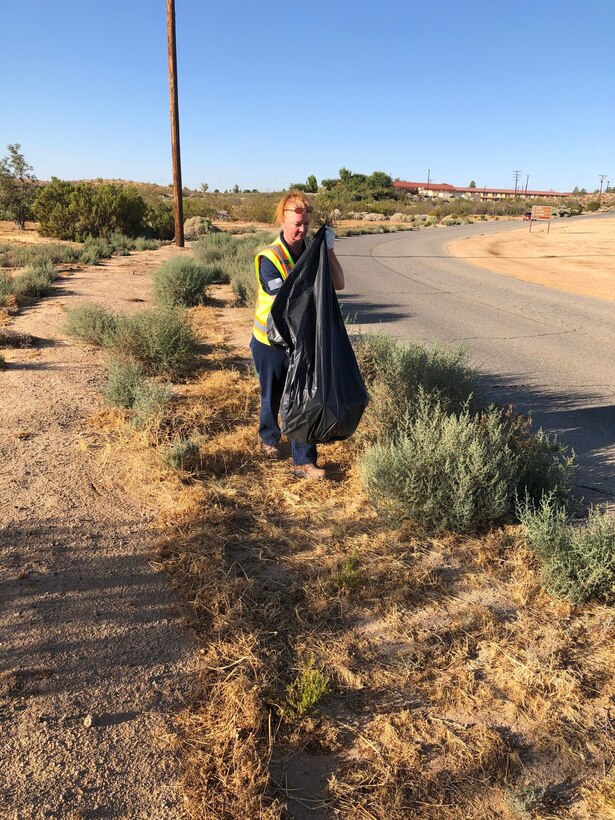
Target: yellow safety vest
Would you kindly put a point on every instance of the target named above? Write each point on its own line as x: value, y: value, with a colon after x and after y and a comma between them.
x: 279, y: 254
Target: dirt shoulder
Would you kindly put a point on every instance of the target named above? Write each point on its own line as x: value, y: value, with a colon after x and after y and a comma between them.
x: 90, y: 632
x: 575, y: 256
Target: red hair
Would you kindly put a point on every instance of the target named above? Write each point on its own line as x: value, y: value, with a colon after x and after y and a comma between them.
x: 293, y: 199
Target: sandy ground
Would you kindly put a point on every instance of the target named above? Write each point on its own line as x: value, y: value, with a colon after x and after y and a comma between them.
x: 575, y: 256
x: 89, y: 631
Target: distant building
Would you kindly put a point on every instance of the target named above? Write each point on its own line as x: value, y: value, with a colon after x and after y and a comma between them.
x: 443, y: 190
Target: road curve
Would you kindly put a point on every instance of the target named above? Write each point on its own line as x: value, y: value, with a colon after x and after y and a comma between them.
x: 548, y: 352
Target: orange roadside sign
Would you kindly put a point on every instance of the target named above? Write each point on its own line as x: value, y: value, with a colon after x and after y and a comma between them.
x: 541, y: 211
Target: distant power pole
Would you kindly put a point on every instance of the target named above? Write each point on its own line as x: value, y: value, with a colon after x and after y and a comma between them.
x: 602, y: 178
x: 177, y: 170
x: 527, y: 179
x: 517, y: 174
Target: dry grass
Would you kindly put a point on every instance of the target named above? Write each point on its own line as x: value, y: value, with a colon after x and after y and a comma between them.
x: 457, y: 686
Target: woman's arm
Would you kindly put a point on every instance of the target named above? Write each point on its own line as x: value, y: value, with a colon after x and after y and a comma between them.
x: 337, y: 273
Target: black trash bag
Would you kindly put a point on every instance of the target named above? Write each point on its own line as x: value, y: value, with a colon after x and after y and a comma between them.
x: 324, y: 394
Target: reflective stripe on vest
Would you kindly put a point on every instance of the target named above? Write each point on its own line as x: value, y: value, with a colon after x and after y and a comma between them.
x: 277, y: 253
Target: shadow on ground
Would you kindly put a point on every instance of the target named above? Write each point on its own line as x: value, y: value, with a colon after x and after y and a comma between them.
x: 583, y: 426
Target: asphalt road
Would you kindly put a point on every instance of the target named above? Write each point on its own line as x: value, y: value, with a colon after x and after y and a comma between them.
x: 548, y: 352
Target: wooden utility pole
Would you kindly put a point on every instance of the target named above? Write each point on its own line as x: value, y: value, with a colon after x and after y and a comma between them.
x: 177, y: 168
x: 516, y: 174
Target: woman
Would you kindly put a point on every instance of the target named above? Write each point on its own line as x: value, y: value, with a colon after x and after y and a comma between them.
x: 273, y: 265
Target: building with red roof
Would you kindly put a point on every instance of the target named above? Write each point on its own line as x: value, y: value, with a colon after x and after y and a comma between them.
x: 443, y: 190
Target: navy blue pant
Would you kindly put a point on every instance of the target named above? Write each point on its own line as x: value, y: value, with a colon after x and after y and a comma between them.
x: 272, y: 365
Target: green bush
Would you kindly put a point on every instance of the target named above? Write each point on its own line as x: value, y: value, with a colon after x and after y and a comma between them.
x: 245, y: 288
x: 577, y: 561
x: 120, y: 243
x: 125, y: 380
x: 160, y: 339
x: 34, y: 282
x: 215, y: 248
x: 6, y: 282
x: 308, y: 687
x: 181, y: 455
x: 199, y: 206
x: 181, y: 282
x: 149, y: 404
x: 74, y: 211
x: 445, y: 472
x: 144, y: 244
x: 52, y: 208
x: 542, y: 463
x: 592, y: 205
x: 397, y: 374
x: 256, y: 208
x: 92, y: 323
x: 233, y: 258
x: 18, y: 256
x: 459, y: 472
x: 160, y: 220
x: 95, y: 249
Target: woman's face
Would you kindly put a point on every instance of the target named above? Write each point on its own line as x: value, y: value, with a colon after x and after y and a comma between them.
x: 295, y: 226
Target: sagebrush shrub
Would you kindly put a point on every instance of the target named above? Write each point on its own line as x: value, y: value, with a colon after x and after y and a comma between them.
x: 308, y: 687
x: 183, y: 454
x: 5, y: 287
x: 397, y: 374
x: 234, y: 259
x: 161, y: 339
x: 93, y: 323
x: 34, y: 282
x: 125, y: 380
x: 577, y: 560
x: 144, y: 244
x: 245, y: 287
x: 181, y: 282
x: 445, y: 472
x: 543, y: 464
x: 458, y: 471
x: 149, y: 404
x: 95, y: 249
x: 214, y: 248
x: 121, y: 244
x: 18, y: 256
x: 250, y: 244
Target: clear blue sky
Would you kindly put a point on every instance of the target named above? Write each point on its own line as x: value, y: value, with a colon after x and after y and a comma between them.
x: 271, y: 92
